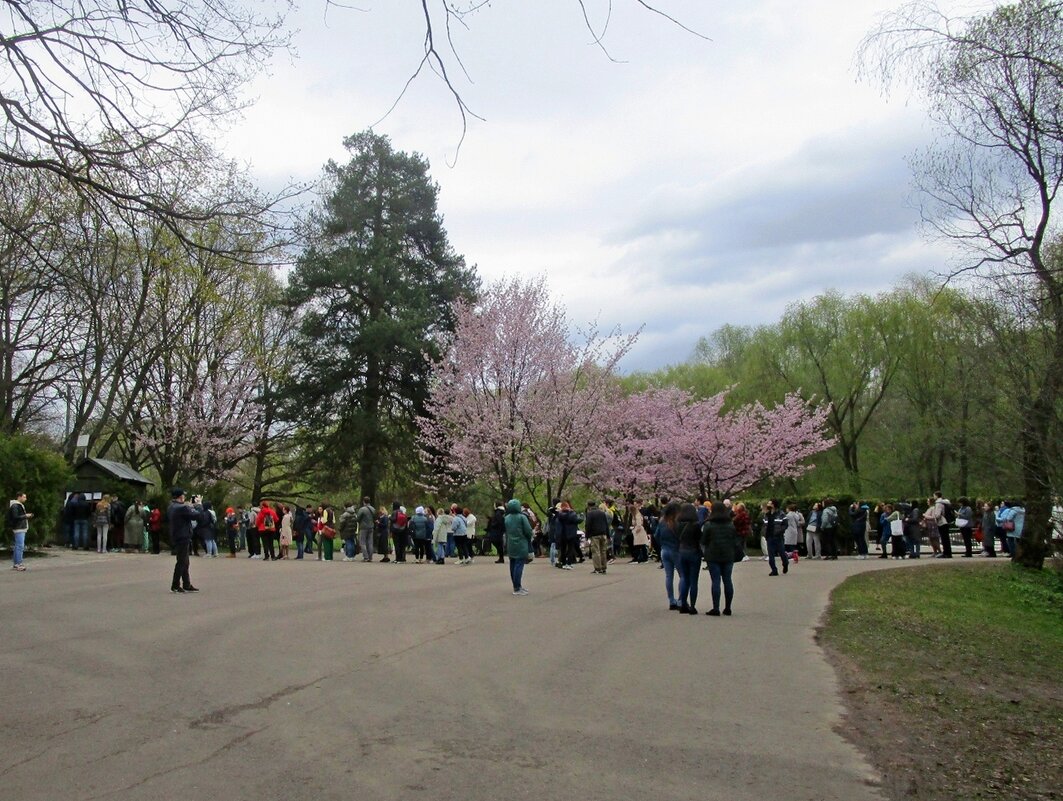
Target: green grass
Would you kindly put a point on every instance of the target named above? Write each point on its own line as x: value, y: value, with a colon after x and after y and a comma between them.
x: 953, y: 674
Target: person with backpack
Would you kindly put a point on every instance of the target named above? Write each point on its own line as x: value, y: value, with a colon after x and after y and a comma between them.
x: 397, y: 524
x: 266, y: 524
x: 18, y: 520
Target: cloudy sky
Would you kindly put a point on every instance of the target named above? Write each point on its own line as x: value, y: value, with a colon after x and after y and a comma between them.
x: 684, y: 185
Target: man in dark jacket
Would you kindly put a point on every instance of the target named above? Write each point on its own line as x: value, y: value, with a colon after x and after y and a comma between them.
x: 496, y: 530
x: 568, y: 537
x: 181, y: 515
x: 597, y: 528
x: 774, y: 526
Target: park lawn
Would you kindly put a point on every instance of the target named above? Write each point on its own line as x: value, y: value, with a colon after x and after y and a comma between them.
x: 953, y: 678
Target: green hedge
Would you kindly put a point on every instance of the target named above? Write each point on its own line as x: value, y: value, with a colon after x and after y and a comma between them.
x: 42, y: 474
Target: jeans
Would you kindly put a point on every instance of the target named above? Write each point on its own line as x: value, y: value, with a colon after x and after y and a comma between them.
x: 553, y: 554
x: 101, y: 537
x: 441, y: 551
x: 721, y: 570
x: 516, y: 572
x: 81, y: 533
x: 776, y: 548
x: 668, y: 559
x: 911, y: 538
x: 450, y: 545
x: 860, y: 540
x: 348, y: 547
x: 19, y: 546
x: 689, y: 565
x: 211, y: 548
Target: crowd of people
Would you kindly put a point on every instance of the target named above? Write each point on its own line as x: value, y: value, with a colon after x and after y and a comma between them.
x: 683, y: 538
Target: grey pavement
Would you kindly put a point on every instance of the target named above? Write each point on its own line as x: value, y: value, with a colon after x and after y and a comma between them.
x: 311, y: 680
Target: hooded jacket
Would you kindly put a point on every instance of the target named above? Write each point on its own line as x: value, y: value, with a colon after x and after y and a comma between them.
x: 518, y: 532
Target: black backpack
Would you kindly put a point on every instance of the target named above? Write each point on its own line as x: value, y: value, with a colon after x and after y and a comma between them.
x: 948, y: 513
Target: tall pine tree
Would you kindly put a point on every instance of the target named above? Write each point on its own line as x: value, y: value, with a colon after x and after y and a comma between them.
x: 373, y: 292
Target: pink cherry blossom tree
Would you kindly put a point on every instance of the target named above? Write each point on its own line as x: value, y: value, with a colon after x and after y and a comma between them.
x: 666, y: 442
x: 514, y: 400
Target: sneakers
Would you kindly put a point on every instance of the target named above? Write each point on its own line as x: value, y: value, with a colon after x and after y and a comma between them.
x: 176, y: 589
x: 522, y: 591
x: 20, y: 568
x: 566, y: 567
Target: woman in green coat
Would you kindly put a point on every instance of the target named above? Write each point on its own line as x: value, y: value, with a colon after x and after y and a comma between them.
x: 719, y: 540
x: 518, y: 544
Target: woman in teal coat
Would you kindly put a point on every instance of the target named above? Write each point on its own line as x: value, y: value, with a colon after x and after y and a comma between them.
x: 518, y: 544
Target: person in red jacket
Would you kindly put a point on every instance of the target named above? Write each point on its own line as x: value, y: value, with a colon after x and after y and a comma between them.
x: 267, y: 524
x: 155, y: 528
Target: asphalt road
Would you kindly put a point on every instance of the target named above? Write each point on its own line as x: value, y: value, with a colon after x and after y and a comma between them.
x: 307, y: 680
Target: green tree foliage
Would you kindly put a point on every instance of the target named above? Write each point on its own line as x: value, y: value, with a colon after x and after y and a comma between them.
x: 373, y: 291
x: 38, y: 472
x: 994, y: 86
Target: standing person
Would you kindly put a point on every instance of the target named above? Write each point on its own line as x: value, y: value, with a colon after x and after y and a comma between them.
x: 399, y: 523
x: 688, y: 533
x: 1012, y: 519
x: 719, y: 540
x: 242, y: 522
x: 913, y: 532
x: 568, y: 538
x: 773, y: 534
x: 828, y: 527
x: 254, y: 542
x: 348, y: 530
x: 82, y: 513
x: 668, y: 541
x: 102, y: 521
x: 496, y: 531
x: 209, y: 525
x: 858, y: 528
x: 181, y: 516
x: 989, y: 525
x: 134, y: 524
x: 795, y: 523
x: 443, y: 525
x: 596, y: 524
x: 636, y: 531
x: 232, y: 530
x: 266, y: 525
x: 744, y: 526
x: 327, y: 528
x: 366, y: 524
x: 965, y: 524
x: 383, y: 526
x: 421, y: 532
x: 19, y: 521
x: 931, y: 520
x: 812, y: 541
x: 460, y: 529
x: 518, y: 544
x: 118, y: 542
x: 286, y: 530
x: 155, y: 529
